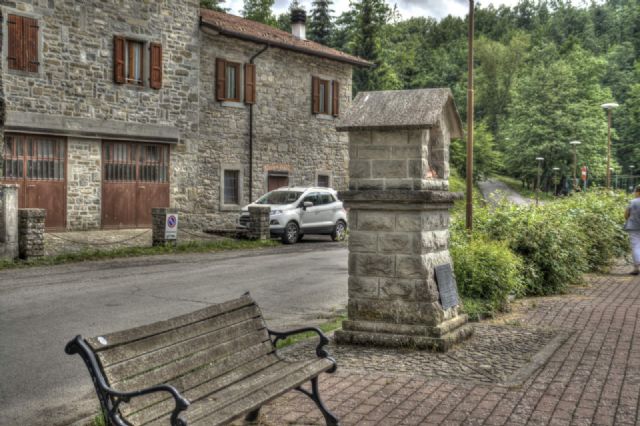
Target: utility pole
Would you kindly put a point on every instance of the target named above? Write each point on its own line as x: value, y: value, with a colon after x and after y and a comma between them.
x: 470, y: 119
x: 609, y: 108
x: 539, y: 160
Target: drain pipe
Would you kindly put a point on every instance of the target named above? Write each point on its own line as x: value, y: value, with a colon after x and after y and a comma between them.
x: 266, y: 46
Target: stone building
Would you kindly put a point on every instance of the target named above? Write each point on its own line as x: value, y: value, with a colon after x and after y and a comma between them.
x: 116, y: 107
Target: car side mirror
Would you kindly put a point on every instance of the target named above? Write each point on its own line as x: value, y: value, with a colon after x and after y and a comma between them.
x: 307, y: 204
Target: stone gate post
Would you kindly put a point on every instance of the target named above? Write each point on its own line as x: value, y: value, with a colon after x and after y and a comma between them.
x: 399, y: 203
x: 8, y: 221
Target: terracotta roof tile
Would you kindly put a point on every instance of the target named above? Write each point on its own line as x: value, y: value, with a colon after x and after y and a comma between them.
x: 236, y: 26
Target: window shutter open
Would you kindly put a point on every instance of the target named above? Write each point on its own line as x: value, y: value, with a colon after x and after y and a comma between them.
x: 315, y: 95
x: 249, y: 83
x: 155, y: 60
x: 30, y: 27
x: 118, y: 60
x: 336, y: 98
x: 221, y: 66
x: 15, y: 42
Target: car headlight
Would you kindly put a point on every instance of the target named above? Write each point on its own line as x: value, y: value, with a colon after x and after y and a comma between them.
x: 276, y: 212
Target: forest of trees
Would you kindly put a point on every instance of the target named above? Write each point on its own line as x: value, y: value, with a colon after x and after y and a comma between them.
x: 543, y: 68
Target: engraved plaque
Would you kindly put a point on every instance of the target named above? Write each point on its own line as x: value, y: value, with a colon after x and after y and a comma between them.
x: 447, y: 286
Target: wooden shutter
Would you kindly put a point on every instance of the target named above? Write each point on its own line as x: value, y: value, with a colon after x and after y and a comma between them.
x: 30, y: 27
x: 336, y: 98
x: 221, y: 68
x: 315, y: 95
x: 249, y: 83
x: 118, y: 60
x: 155, y: 61
x: 15, y: 50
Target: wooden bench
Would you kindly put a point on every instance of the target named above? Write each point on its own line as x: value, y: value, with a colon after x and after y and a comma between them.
x: 209, y: 367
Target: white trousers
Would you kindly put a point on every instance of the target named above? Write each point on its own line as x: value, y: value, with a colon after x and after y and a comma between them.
x: 634, y: 237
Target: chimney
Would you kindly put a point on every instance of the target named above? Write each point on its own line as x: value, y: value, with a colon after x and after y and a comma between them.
x: 298, y: 20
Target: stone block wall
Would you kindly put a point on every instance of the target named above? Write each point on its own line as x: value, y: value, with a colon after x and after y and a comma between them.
x: 401, y: 159
x: 159, y: 217
x: 84, y: 184
x: 259, y: 228
x: 31, y: 233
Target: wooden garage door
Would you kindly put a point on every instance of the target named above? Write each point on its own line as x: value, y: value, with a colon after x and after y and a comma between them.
x: 37, y: 164
x: 135, y: 178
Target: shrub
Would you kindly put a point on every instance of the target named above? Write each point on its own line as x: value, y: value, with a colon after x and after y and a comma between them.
x: 487, y: 270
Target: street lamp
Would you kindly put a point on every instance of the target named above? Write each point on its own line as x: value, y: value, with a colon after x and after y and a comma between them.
x: 539, y: 160
x: 555, y: 179
x: 469, y: 194
x: 633, y: 178
x: 575, y: 165
x: 609, y: 107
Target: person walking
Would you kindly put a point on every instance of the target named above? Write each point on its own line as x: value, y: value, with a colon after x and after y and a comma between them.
x: 632, y: 226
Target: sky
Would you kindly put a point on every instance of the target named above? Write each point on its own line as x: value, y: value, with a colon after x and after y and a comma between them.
x: 408, y: 8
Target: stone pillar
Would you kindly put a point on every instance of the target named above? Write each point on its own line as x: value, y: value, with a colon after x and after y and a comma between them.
x: 399, y: 204
x: 159, y: 217
x: 8, y: 222
x: 259, y: 222
x: 31, y: 233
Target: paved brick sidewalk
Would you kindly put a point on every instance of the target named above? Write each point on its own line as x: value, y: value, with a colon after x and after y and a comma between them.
x: 593, y: 378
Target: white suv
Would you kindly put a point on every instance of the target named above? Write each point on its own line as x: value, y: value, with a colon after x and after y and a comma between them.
x: 297, y: 211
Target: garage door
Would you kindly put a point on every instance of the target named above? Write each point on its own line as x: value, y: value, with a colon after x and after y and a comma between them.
x: 135, y: 178
x: 37, y: 164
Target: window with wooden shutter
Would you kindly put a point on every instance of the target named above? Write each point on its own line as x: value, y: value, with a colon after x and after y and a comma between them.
x: 315, y: 95
x: 336, y: 99
x: 249, y: 83
x: 155, y: 61
x: 118, y: 60
x: 221, y: 72
x: 22, y: 52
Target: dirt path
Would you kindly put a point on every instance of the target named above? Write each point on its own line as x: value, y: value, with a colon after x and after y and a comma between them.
x: 493, y: 191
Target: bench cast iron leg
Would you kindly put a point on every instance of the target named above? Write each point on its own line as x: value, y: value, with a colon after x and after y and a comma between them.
x: 329, y: 417
x: 253, y: 416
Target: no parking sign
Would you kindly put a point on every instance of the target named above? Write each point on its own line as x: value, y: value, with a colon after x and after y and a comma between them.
x: 171, y: 227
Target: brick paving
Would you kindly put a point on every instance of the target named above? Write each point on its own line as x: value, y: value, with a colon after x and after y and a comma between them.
x: 592, y: 378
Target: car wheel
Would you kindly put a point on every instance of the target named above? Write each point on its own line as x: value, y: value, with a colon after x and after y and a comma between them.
x: 291, y: 233
x: 339, y: 231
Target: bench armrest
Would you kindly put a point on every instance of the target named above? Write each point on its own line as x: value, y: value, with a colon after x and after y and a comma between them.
x: 320, y: 350
x: 110, y: 398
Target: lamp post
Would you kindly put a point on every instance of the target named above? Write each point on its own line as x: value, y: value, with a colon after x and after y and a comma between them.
x: 575, y: 164
x: 633, y: 178
x: 555, y: 179
x: 539, y: 160
x: 609, y: 107
x: 469, y: 200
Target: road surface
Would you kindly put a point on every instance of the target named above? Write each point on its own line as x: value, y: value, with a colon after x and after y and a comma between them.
x: 42, y: 308
x: 494, y: 190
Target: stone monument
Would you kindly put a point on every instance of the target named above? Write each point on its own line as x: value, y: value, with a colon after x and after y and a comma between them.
x: 399, y: 201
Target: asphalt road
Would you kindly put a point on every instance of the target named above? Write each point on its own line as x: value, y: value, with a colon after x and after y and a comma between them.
x: 494, y: 191
x: 42, y: 308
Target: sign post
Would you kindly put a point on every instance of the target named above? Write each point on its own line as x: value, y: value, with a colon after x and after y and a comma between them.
x: 171, y: 227
x: 583, y: 176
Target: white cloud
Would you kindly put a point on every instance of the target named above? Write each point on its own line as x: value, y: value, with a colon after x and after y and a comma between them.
x: 408, y: 8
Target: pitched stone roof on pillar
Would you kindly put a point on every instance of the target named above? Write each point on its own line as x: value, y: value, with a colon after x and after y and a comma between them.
x: 402, y: 109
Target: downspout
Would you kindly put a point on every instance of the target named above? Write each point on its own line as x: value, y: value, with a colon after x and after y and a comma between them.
x: 266, y: 46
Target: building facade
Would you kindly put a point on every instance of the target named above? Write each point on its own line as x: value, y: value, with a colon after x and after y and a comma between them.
x: 112, y: 108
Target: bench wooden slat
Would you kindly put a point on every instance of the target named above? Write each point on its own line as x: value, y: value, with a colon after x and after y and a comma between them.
x: 252, y: 397
x: 257, y: 357
x: 125, y: 336
x: 154, y: 360
x: 134, y: 349
x: 208, y: 387
x: 193, y: 362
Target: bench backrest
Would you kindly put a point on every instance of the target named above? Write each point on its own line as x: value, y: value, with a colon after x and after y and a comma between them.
x: 184, y: 351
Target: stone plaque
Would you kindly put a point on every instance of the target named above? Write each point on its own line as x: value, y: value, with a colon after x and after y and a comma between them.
x: 447, y: 286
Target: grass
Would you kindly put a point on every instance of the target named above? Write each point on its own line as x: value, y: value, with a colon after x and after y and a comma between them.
x: 326, y: 327
x: 93, y: 254
x: 98, y: 420
x: 516, y: 186
x: 477, y: 309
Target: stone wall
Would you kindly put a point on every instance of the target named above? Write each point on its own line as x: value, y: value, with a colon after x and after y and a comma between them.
x: 76, y: 80
x: 31, y: 233
x: 287, y: 136
x: 8, y: 221
x: 83, y: 184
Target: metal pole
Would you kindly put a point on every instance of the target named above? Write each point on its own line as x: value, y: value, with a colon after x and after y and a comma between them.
x: 575, y: 165
x: 538, y: 183
x: 470, y: 120
x: 609, y: 151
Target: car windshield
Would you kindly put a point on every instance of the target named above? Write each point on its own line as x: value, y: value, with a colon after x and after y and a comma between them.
x: 279, y: 197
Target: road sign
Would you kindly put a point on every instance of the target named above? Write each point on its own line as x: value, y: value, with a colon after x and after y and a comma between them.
x: 584, y: 173
x: 171, y: 227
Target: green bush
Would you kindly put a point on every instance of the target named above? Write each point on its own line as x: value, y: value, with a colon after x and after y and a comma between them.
x: 487, y: 270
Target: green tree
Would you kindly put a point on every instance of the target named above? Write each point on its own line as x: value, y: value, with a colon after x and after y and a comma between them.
x: 487, y: 159
x: 213, y: 5
x: 320, y: 24
x: 259, y: 11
